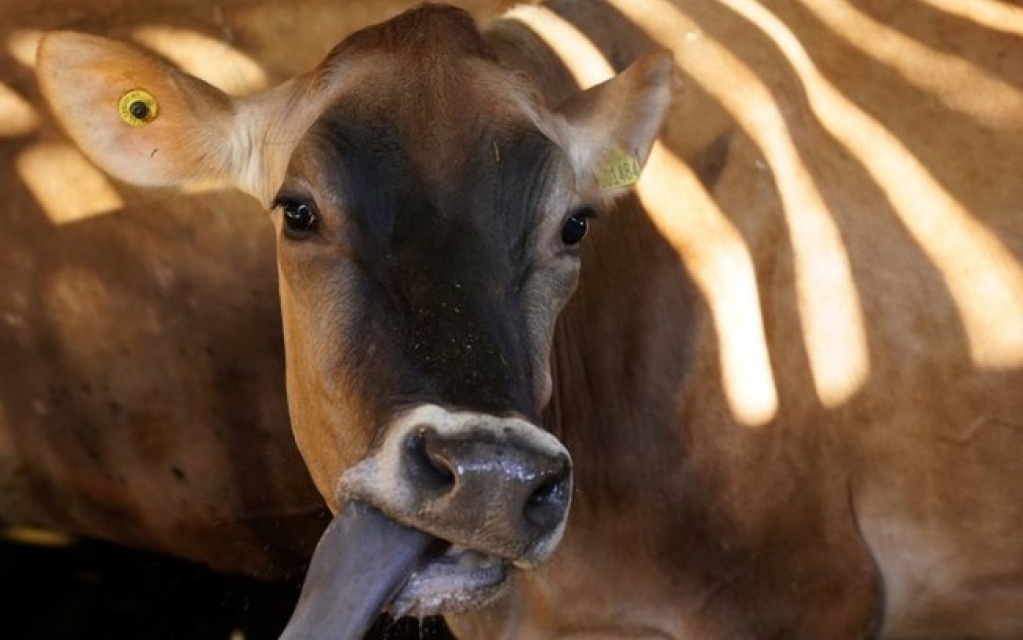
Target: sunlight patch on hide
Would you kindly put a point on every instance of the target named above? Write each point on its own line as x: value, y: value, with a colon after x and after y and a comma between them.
x: 36, y: 537
x: 828, y: 303
x: 995, y: 15
x: 209, y: 59
x: 713, y: 250
x: 983, y: 277
x: 22, y: 45
x: 205, y: 185
x: 85, y: 309
x: 17, y: 117
x: 65, y: 184
x: 717, y: 258
x: 575, y: 50
x: 941, y: 75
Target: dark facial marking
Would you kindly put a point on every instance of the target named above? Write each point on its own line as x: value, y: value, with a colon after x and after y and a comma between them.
x: 441, y: 254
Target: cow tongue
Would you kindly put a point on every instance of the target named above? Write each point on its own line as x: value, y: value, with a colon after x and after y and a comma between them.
x: 361, y: 562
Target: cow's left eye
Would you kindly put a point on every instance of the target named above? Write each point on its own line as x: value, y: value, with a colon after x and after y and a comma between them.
x: 299, y: 217
x: 574, y: 229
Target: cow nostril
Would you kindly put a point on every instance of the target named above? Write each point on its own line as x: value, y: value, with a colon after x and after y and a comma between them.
x: 426, y: 465
x: 546, y: 505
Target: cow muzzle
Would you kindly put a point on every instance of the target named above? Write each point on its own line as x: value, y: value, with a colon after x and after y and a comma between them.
x: 435, y: 519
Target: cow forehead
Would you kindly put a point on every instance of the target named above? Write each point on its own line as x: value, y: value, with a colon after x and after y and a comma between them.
x: 424, y: 31
x: 431, y: 71
x: 402, y: 183
x: 425, y: 119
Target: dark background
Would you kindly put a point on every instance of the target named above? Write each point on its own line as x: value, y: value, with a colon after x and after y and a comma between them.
x: 88, y: 589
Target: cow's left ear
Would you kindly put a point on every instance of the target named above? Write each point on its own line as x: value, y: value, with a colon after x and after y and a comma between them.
x: 148, y: 123
x: 613, y: 125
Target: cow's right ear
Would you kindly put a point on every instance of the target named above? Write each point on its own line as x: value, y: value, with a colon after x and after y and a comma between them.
x: 613, y: 125
x: 148, y: 123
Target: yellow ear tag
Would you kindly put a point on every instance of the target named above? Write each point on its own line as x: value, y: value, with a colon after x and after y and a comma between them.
x: 619, y: 170
x: 137, y: 107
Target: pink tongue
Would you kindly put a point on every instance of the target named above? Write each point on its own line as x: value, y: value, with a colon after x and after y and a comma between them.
x: 360, y: 563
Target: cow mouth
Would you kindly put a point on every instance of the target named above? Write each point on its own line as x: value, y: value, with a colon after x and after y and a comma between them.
x: 454, y: 580
x: 366, y: 564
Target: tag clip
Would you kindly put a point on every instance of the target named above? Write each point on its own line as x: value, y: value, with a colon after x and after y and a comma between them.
x: 137, y: 107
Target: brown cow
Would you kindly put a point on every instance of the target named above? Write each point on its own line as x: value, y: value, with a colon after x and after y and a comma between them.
x: 783, y: 404
x: 147, y: 406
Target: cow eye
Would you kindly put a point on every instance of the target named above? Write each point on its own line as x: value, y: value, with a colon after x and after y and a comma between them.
x: 574, y: 229
x: 299, y: 217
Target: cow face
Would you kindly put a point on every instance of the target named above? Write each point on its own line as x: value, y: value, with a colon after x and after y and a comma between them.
x: 429, y: 211
x: 428, y: 216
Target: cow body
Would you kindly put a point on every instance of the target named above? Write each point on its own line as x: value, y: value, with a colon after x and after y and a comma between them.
x: 786, y: 380
x: 123, y: 422
x: 877, y: 491
x: 135, y: 404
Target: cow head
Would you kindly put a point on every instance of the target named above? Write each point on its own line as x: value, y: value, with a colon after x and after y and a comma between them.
x: 429, y: 211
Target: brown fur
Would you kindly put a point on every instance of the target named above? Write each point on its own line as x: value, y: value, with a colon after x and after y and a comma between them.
x: 719, y: 495
x: 172, y: 434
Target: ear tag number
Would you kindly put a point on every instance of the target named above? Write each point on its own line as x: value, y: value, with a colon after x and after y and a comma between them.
x: 137, y: 107
x: 620, y: 169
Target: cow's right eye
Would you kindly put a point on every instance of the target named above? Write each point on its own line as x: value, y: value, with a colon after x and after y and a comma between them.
x: 299, y: 217
x: 574, y: 229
